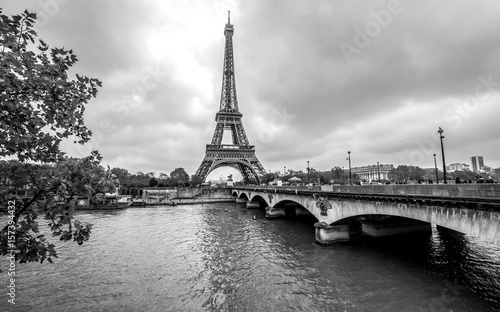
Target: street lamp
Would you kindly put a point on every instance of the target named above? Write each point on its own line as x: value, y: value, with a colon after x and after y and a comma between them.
x: 284, y: 170
x: 349, y: 158
x: 343, y: 176
x: 378, y: 171
x: 441, y: 137
x: 436, y: 169
x: 308, y: 173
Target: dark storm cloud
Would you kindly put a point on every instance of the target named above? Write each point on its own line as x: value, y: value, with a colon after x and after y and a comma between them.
x: 427, y: 53
x: 410, y: 68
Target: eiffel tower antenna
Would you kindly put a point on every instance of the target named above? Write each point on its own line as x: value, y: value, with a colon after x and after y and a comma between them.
x: 240, y: 155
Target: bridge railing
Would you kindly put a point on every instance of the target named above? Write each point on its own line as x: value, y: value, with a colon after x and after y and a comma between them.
x: 315, y: 188
x: 448, y: 190
x: 465, y: 196
x: 455, y: 190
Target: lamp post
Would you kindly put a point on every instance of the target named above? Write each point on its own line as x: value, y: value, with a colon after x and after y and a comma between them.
x: 436, y: 169
x: 284, y: 170
x: 349, y: 158
x: 441, y: 137
x: 378, y: 171
x: 343, y: 176
x: 308, y: 173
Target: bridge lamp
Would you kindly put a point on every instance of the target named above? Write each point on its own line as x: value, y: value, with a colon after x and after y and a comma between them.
x: 436, y: 169
x: 378, y: 171
x: 308, y: 173
x: 350, y: 175
x: 441, y: 137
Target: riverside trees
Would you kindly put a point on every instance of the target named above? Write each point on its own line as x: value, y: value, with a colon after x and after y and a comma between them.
x: 39, y: 107
x: 406, y: 173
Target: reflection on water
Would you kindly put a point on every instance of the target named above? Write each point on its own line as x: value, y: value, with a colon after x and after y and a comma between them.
x: 218, y: 258
x: 474, y: 264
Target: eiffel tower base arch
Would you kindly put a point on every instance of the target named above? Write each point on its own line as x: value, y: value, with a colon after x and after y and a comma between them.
x: 241, y: 158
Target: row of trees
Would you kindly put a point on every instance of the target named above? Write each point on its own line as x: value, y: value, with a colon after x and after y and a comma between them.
x: 177, y: 177
x: 336, y: 174
x: 402, y: 173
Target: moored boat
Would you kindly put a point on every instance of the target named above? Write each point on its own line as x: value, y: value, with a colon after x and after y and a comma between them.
x: 109, y: 206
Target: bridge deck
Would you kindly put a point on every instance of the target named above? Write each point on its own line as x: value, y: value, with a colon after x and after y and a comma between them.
x: 382, y: 193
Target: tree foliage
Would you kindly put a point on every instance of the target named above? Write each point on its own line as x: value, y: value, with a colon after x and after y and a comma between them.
x: 339, y: 175
x: 179, y: 176
x: 406, y: 173
x: 121, y: 174
x: 196, y: 180
x: 152, y: 182
x: 39, y: 104
x: 39, y: 107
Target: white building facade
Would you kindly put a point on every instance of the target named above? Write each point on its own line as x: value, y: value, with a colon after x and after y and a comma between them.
x: 373, y: 172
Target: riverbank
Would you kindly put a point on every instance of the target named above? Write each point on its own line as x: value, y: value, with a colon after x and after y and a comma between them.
x: 187, y: 201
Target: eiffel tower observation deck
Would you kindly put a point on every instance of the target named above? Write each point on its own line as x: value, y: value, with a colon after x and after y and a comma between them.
x: 240, y: 155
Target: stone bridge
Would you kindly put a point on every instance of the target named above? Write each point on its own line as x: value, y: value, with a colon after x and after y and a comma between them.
x: 384, y: 210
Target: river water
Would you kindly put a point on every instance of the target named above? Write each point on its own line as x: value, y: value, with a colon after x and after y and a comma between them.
x: 217, y: 257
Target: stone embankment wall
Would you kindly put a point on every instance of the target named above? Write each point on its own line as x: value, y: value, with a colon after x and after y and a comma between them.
x: 204, y: 192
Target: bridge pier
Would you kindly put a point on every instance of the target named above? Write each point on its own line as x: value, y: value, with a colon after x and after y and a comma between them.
x: 393, y: 226
x: 329, y: 234
x: 241, y: 200
x: 273, y: 213
x: 253, y: 205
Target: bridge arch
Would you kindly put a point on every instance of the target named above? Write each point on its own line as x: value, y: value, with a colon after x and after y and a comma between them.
x: 293, y: 208
x: 243, y: 196
x: 259, y: 199
x: 478, y: 223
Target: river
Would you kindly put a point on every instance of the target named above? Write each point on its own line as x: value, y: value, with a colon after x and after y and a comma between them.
x: 223, y: 257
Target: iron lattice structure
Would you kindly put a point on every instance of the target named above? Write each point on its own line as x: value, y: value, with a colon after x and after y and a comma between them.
x: 240, y: 155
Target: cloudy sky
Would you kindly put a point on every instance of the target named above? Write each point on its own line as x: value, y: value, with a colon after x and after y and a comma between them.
x: 315, y: 79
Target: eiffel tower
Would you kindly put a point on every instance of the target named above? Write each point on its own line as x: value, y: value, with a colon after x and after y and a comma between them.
x: 239, y: 155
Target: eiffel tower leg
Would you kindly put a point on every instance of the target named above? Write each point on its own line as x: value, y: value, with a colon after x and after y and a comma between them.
x: 204, y: 168
x: 247, y: 175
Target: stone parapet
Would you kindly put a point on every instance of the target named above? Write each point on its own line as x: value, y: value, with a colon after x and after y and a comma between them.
x: 459, y: 190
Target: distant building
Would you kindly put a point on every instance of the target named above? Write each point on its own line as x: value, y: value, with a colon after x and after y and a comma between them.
x: 457, y: 166
x: 158, y: 194
x: 276, y: 182
x: 477, y: 163
x: 373, y: 172
x: 486, y: 169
